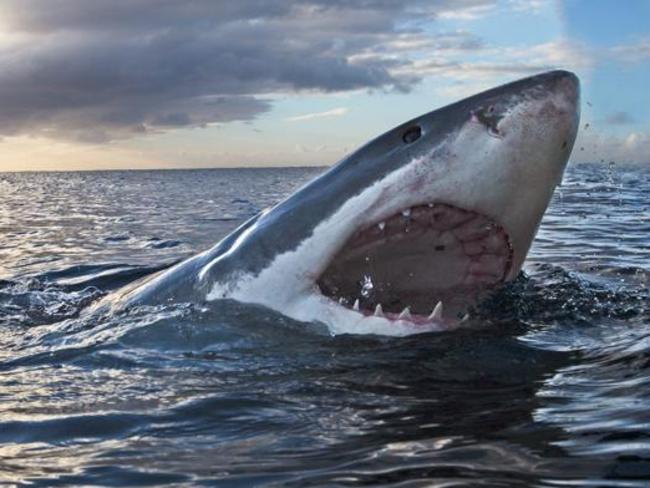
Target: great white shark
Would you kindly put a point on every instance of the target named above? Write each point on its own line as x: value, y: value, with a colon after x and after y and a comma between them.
x: 408, y: 232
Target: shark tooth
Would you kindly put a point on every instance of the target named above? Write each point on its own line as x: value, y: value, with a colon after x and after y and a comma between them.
x: 437, y: 312
x: 406, y: 212
x: 379, y: 312
x: 381, y: 225
x: 356, y: 305
x: 406, y: 313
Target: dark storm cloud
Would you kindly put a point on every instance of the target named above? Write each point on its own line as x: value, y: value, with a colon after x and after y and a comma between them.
x: 99, y: 70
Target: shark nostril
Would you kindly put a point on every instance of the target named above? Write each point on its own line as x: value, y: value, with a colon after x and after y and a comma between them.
x: 412, y: 134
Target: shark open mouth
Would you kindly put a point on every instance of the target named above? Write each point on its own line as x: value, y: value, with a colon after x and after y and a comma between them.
x: 407, y: 266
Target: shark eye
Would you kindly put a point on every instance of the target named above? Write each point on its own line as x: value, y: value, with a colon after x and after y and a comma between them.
x: 412, y: 134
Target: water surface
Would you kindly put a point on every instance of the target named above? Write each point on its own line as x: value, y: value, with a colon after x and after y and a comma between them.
x: 550, y: 388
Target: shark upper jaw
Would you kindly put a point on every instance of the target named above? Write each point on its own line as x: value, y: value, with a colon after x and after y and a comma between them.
x: 448, y: 215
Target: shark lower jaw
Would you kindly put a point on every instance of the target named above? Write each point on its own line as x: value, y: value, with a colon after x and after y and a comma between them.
x: 406, y: 268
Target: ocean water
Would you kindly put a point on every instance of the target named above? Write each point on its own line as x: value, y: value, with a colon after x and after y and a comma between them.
x: 551, y: 387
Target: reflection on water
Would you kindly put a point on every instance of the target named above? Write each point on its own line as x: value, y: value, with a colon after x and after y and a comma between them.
x: 550, y: 388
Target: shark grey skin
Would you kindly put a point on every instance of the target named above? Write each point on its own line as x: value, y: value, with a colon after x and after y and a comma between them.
x: 440, y: 209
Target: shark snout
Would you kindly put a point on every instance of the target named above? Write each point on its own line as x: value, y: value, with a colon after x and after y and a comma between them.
x: 567, y: 84
x: 562, y: 90
x: 557, y: 81
x: 549, y: 109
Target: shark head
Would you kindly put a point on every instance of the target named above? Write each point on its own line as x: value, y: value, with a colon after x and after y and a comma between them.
x: 408, y: 232
x: 416, y: 226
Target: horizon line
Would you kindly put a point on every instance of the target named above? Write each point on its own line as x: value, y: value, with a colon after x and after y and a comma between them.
x: 254, y: 167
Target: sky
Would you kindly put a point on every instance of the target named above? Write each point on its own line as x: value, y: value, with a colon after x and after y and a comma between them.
x: 139, y: 84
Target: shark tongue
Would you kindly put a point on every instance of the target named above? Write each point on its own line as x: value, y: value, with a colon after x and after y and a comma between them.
x: 418, y: 257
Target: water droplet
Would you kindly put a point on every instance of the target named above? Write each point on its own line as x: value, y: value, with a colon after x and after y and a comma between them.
x: 367, y: 286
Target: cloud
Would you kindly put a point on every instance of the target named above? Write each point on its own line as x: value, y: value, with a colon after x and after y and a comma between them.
x: 335, y: 112
x: 619, y: 118
x: 636, y: 140
x: 496, y: 63
x: 632, y: 148
x: 468, y: 10
x: 636, y: 52
x: 97, y: 71
x: 532, y: 6
x: 397, y: 50
x: 100, y: 71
